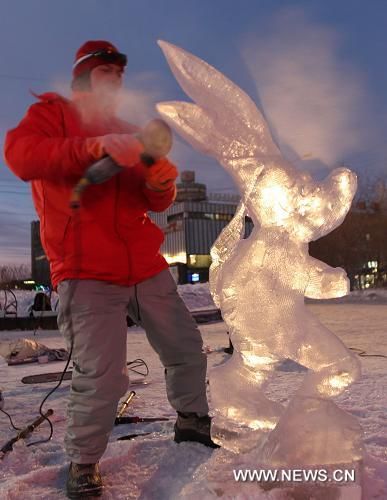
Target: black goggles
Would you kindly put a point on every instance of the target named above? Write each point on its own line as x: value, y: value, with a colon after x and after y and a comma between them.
x: 108, y: 56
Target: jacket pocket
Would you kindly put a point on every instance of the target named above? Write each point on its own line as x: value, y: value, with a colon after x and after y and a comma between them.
x: 53, y: 235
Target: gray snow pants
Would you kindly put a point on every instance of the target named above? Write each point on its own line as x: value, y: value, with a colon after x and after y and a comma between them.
x: 93, y: 314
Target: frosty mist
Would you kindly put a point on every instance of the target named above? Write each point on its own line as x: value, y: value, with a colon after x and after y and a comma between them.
x: 137, y: 105
x: 136, y: 99
x: 314, y: 100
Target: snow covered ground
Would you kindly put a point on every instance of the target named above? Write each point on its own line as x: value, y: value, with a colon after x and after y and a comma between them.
x: 154, y: 467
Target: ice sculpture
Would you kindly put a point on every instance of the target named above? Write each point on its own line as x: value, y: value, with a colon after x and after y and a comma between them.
x: 260, y: 282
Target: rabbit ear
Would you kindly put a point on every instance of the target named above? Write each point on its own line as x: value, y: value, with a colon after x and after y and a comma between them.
x: 232, y: 111
x: 194, y: 125
x: 197, y: 127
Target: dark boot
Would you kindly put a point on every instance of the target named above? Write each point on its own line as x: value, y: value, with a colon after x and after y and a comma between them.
x: 84, y: 480
x: 190, y: 427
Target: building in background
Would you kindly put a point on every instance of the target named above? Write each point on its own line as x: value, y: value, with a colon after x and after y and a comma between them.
x: 191, y: 226
x: 358, y: 245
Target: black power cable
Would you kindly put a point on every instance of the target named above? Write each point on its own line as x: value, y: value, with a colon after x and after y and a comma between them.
x: 10, y: 419
x: 364, y: 354
x: 45, y: 399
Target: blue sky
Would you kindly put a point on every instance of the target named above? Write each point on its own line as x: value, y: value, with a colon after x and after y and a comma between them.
x: 316, y: 68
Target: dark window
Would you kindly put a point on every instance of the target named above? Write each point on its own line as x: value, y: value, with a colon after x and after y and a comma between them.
x: 174, y: 217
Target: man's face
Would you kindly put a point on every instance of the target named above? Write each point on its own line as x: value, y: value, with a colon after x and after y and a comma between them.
x: 106, y: 81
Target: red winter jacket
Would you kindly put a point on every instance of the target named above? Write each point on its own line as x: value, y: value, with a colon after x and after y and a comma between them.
x: 110, y: 238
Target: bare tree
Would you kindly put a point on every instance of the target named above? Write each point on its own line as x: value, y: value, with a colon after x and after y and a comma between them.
x: 372, y: 192
x: 9, y: 273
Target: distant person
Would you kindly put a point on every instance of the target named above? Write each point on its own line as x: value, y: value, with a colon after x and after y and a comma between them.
x: 105, y: 260
x: 41, y: 303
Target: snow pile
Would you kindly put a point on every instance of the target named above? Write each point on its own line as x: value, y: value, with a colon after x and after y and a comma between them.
x: 196, y: 297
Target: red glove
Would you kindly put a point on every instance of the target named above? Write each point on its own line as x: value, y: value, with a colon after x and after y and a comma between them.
x: 125, y: 149
x: 161, y: 175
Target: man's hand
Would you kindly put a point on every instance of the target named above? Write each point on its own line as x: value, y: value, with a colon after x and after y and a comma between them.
x: 161, y: 175
x: 124, y: 149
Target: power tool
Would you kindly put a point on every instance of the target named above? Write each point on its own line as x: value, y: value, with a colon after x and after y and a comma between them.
x: 156, y: 138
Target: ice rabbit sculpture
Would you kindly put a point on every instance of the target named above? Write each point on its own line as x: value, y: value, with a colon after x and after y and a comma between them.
x: 260, y: 282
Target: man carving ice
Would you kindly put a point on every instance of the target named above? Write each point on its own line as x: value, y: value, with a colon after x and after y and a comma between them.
x: 104, y: 259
